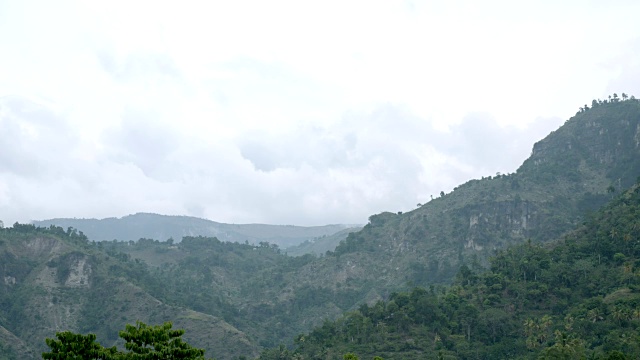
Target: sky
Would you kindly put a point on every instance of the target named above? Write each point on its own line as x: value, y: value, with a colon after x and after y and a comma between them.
x: 288, y: 112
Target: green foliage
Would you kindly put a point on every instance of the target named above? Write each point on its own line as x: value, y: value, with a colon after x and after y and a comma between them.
x: 157, y: 342
x: 142, y: 342
x: 70, y: 346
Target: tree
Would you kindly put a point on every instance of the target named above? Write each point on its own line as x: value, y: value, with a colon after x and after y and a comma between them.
x: 157, y: 342
x: 70, y: 346
x: 142, y: 341
x: 566, y: 347
x: 537, y: 331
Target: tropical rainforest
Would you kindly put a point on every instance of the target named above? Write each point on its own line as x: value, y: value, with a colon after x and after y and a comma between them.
x: 540, y: 263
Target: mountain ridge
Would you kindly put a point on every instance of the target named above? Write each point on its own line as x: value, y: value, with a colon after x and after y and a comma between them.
x: 162, y: 227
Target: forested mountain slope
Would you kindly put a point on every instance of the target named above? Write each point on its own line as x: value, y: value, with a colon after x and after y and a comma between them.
x: 163, y: 227
x: 571, y: 172
x: 575, y: 298
x: 54, y: 280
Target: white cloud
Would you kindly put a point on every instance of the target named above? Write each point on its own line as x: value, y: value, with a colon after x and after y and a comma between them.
x: 287, y: 112
x: 385, y: 160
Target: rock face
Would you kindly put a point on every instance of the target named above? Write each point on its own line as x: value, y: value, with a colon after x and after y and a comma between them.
x: 79, y: 273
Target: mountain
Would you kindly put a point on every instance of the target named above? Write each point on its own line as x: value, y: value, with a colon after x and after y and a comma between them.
x: 247, y: 296
x: 163, y: 227
x: 570, y: 173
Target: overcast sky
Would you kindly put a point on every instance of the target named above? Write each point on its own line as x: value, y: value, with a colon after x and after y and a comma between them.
x: 296, y: 112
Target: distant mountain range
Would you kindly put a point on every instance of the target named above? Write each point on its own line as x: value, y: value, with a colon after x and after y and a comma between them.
x: 163, y: 227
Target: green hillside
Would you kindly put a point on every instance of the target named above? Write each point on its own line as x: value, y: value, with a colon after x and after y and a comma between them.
x: 576, y: 298
x: 55, y: 280
x: 570, y: 173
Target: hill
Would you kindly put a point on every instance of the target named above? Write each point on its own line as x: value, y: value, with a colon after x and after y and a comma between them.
x: 163, y: 227
x: 55, y: 280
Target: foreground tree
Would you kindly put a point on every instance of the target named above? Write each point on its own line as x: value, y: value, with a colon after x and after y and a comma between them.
x: 157, y: 342
x: 70, y: 346
x: 142, y: 341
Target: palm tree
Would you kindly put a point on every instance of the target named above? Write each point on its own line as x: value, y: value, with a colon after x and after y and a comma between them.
x: 566, y: 347
x: 613, y: 234
x: 627, y: 238
x: 620, y: 314
x: 594, y: 315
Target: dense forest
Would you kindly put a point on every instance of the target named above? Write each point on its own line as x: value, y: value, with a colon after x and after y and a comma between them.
x: 577, y: 298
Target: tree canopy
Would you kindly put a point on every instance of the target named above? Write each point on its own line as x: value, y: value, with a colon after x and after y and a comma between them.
x: 142, y: 342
